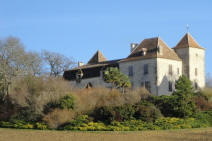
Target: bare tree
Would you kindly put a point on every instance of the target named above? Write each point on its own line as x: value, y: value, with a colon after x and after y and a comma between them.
x: 12, y: 64
x: 34, y: 63
x: 57, y: 63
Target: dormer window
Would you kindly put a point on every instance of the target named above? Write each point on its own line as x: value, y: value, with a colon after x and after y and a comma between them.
x: 143, y: 51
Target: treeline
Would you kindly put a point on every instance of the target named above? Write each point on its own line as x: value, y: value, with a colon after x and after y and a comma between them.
x: 17, y: 63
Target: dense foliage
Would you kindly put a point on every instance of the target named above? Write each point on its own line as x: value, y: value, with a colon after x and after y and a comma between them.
x: 66, y: 102
x: 119, y: 113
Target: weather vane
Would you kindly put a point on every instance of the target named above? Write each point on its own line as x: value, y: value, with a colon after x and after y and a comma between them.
x: 187, y: 28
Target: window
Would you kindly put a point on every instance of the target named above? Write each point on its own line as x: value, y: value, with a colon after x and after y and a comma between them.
x: 170, y: 70
x: 170, y: 86
x: 146, y: 69
x: 196, y: 85
x: 148, y: 86
x: 178, y: 71
x: 196, y: 72
x: 130, y: 70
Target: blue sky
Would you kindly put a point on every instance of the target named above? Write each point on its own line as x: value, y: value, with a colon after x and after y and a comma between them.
x: 78, y: 28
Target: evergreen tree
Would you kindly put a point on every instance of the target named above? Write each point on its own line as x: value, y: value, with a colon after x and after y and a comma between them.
x: 184, y: 105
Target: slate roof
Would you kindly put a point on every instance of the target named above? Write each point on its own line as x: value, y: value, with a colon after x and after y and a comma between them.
x: 90, y: 70
x: 99, y: 64
x: 188, y: 41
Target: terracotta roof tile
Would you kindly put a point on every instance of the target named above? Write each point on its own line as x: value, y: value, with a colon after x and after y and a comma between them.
x: 187, y: 41
x: 155, y: 48
x: 97, y: 57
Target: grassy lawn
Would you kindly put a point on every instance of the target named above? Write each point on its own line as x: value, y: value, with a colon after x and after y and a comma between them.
x: 203, y: 134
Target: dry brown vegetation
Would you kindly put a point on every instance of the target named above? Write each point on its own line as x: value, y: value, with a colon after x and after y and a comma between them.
x: 204, y: 100
x: 88, y: 99
x: 58, y: 117
x: 35, y: 92
x: 170, y: 135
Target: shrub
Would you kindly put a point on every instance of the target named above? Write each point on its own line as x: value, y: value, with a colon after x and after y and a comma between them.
x: 124, y: 112
x: 67, y: 102
x: 58, y: 117
x: 27, y: 114
x: 105, y: 114
x: 119, y: 113
x: 203, y: 99
x: 17, y: 124
x: 204, y: 118
x: 41, y: 126
x: 75, y: 124
x: 202, y: 104
x: 164, y: 103
x: 147, y: 112
x: 7, y: 109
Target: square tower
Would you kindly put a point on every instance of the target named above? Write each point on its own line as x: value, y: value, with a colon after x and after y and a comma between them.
x: 193, y: 57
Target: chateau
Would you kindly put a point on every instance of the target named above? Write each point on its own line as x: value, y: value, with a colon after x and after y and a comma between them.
x: 152, y: 64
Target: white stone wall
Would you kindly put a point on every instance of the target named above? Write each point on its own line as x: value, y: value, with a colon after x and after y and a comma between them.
x: 138, y: 72
x: 193, y: 58
x: 183, y: 53
x: 163, y: 74
x: 197, y: 60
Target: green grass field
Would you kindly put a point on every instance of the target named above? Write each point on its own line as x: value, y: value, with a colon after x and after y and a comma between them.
x: 203, y: 134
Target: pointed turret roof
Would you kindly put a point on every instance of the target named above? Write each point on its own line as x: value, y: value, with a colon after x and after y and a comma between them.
x: 187, y: 41
x: 97, y: 57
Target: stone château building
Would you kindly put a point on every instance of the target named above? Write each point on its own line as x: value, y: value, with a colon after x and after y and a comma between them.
x: 151, y: 64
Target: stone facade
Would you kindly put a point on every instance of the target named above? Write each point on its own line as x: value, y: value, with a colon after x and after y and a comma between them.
x: 151, y: 64
x: 139, y: 76
x: 167, y: 77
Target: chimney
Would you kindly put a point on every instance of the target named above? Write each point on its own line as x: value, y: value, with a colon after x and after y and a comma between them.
x: 80, y: 64
x: 133, y: 46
